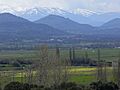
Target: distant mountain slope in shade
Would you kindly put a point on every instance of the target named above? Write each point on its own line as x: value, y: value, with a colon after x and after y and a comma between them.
x: 114, y: 23
x: 65, y: 24
x: 110, y: 28
x: 16, y: 28
x: 7, y: 17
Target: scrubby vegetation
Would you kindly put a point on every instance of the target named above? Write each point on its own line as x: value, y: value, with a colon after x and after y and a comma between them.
x: 63, y: 86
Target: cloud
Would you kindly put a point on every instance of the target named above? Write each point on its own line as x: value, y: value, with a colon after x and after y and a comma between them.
x: 34, y: 3
x: 96, y: 5
x: 93, y: 5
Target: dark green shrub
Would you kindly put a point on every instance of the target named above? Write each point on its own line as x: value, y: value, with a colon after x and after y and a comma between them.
x: 14, y: 86
x: 67, y: 85
x: 103, y: 86
x: 75, y: 88
x: 17, y: 86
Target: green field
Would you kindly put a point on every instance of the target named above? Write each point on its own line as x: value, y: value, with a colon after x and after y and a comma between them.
x: 80, y: 75
x: 86, y: 75
x: 106, y: 54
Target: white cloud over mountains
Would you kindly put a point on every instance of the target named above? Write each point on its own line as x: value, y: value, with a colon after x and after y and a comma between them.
x: 93, y: 5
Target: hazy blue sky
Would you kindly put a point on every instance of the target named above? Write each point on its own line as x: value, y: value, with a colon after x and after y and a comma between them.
x: 94, y: 5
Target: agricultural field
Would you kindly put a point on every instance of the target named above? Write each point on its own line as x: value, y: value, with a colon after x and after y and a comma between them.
x: 86, y: 75
x: 77, y: 74
x: 80, y: 75
x: 106, y: 54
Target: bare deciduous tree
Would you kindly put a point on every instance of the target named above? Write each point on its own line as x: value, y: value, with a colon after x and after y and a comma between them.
x: 42, y: 71
x: 52, y: 70
x: 101, y: 69
x: 116, y: 70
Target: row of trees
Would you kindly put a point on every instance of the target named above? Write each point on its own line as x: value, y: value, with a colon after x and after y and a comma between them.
x: 102, y: 70
x: 51, y: 70
x: 48, y: 70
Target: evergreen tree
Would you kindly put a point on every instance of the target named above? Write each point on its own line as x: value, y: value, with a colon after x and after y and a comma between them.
x: 70, y: 54
x: 74, y: 57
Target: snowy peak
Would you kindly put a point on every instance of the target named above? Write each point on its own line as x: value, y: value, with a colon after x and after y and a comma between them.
x: 37, y: 13
x: 45, y: 11
x: 57, y: 11
x: 4, y: 9
x: 84, y: 12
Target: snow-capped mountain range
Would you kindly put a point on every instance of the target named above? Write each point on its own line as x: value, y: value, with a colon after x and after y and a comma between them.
x: 45, y: 10
x: 82, y: 16
x: 33, y: 14
x: 37, y: 13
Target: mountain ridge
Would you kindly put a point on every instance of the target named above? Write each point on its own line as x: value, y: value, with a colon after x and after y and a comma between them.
x: 114, y: 23
x: 65, y: 24
x: 14, y: 27
x: 79, y: 15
